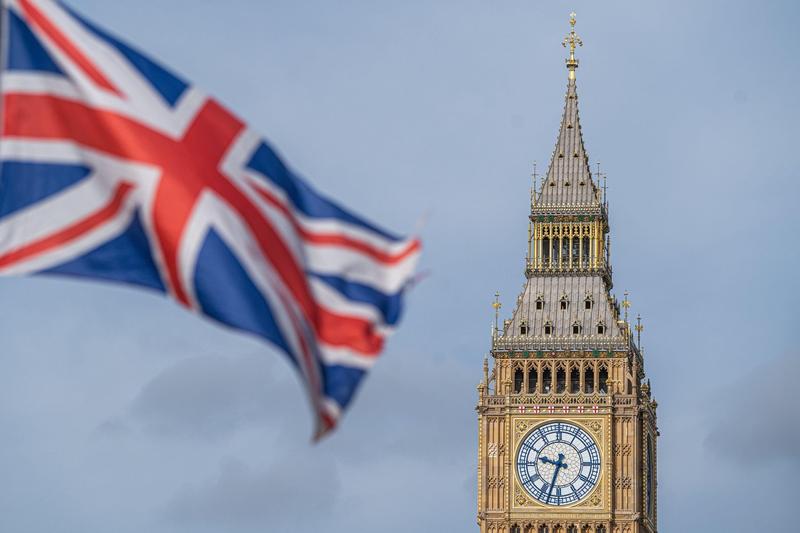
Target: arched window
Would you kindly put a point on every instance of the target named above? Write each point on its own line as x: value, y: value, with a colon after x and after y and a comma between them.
x: 564, y: 303
x: 518, y: 377
x: 572, y: 528
x: 539, y: 303
x: 533, y: 379
x: 561, y: 380
x: 574, y: 380
x: 586, y: 251
x: 601, y: 529
x: 555, y: 247
x: 544, y: 529
x: 601, y: 329
x: 547, y: 379
x: 588, y: 303
x: 603, y: 379
x: 515, y: 529
x: 523, y: 328
x: 565, y: 250
x: 576, y: 250
x: 576, y: 328
x: 588, y: 379
x: 546, y: 250
x: 548, y: 328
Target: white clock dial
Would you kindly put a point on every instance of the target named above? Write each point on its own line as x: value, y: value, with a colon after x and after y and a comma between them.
x: 558, y: 463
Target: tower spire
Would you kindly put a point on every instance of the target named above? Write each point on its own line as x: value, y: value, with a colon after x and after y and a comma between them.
x: 573, y: 41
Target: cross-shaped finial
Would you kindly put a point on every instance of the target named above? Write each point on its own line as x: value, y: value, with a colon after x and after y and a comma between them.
x: 626, y: 304
x: 572, y: 40
x: 639, y: 329
x: 497, y: 305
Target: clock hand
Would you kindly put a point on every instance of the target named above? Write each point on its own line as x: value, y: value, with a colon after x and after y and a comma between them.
x: 553, y: 482
x: 558, y: 466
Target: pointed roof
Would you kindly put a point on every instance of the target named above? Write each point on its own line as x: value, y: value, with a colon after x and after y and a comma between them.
x: 569, y: 180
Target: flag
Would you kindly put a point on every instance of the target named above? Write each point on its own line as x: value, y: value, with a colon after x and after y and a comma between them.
x: 114, y: 168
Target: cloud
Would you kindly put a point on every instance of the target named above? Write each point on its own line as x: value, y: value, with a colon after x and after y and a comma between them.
x: 415, y: 406
x: 755, y: 423
x: 296, y: 489
x: 208, y: 398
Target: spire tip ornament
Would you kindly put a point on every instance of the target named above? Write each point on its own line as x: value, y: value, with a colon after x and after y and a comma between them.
x: 572, y: 40
x: 496, y: 305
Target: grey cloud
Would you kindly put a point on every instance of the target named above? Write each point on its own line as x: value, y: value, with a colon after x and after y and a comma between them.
x: 756, y: 410
x: 207, y: 398
x: 422, y: 411
x: 295, y: 489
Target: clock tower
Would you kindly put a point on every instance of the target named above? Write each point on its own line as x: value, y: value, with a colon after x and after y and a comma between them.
x: 567, y: 424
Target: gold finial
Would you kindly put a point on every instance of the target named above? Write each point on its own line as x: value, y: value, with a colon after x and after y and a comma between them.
x: 625, y: 305
x: 497, y: 305
x: 639, y: 329
x: 572, y: 40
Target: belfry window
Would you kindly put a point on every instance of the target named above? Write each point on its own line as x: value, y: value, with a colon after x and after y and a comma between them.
x: 515, y: 529
x: 588, y: 380
x: 603, y: 379
x: 523, y: 328
x: 554, y: 260
x: 547, y: 379
x: 601, y: 529
x: 572, y: 529
x: 564, y: 249
x: 585, y: 252
x: 561, y: 380
x: 543, y: 529
x: 576, y: 328
x: 533, y: 378
x: 539, y: 303
x: 574, y: 380
x: 601, y: 329
x: 575, y: 250
x: 546, y: 250
x: 518, y: 377
x: 548, y: 328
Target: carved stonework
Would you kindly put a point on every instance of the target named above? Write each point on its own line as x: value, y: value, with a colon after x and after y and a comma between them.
x: 494, y: 482
x: 622, y: 449
x: 492, y: 449
x: 622, y: 483
x: 521, y: 498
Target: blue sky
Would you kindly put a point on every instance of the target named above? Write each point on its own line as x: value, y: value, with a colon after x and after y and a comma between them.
x: 122, y: 413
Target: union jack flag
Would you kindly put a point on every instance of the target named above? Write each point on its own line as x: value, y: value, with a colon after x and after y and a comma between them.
x: 114, y: 168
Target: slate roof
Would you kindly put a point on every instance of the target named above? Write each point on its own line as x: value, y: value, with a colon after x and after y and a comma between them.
x: 569, y: 180
x: 568, y: 185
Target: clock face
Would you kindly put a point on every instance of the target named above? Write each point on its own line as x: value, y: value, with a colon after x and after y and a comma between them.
x: 558, y: 463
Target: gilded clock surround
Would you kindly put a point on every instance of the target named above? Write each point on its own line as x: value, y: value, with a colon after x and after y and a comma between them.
x: 594, y: 426
x: 568, y: 353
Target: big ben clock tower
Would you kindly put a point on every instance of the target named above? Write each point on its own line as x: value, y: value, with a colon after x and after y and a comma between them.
x: 567, y: 425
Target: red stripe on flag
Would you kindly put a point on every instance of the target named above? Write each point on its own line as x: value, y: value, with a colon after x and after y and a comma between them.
x: 355, y: 333
x: 71, y: 232
x: 337, y: 239
x: 35, y: 16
